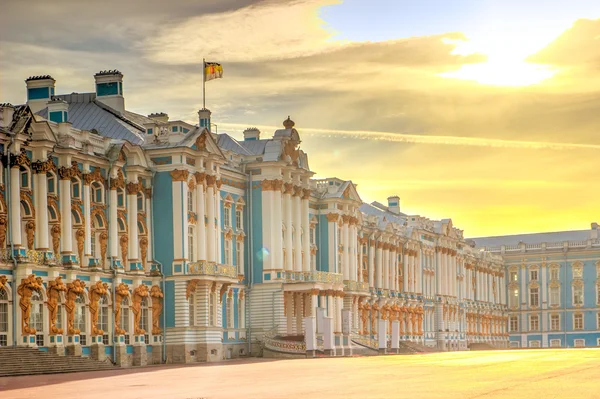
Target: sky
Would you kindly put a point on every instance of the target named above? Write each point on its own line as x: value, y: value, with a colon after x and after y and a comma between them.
x: 485, y: 112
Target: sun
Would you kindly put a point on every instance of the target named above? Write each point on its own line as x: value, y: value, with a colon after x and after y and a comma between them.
x: 503, y: 73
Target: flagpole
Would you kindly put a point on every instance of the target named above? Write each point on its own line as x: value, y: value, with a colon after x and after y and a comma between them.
x: 203, y: 83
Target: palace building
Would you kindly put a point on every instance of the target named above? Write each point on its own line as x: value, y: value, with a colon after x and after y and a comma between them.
x: 146, y: 240
x: 553, y: 287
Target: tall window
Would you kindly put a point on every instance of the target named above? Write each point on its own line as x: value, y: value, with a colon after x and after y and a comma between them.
x: 190, y: 201
x: 578, y: 321
x: 3, y: 318
x: 577, y: 295
x: 554, y: 273
x: 144, y: 321
x: 141, y: 204
x: 192, y: 310
x: 191, y: 243
x: 514, y: 324
x: 227, y: 217
x: 80, y: 318
x: 534, y: 322
x: 577, y: 271
x: 36, y: 319
x: 97, y: 192
x: 76, y: 189
x: 534, y: 297
x: 51, y: 183
x: 25, y: 179
x: 555, y: 322
x: 103, y: 318
x: 125, y: 318
x: 238, y: 220
x: 230, y: 312
x: 514, y: 276
x: 227, y: 252
x: 554, y: 296
x: 120, y: 198
x: 238, y: 257
x: 533, y: 275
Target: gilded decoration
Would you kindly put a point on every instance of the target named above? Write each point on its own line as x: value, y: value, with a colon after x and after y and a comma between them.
x: 179, y: 175
x: 201, y: 141
x: 80, y: 237
x: 191, y: 288
x: 117, y: 182
x: 103, y: 246
x: 139, y: 293
x: 52, y: 203
x: 74, y: 290
x: 133, y: 187
x: 30, y: 231
x: 96, y: 292
x: 55, y: 233
x: 55, y: 287
x: 290, y: 149
x: 121, y: 292
x: 26, y: 196
x: 298, y: 191
x: 288, y: 188
x: 124, y: 240
x: 305, y: 194
x: 3, y: 283
x: 20, y: 159
x: 157, y: 306
x: 144, y: 250
x: 200, y: 178
x: 43, y: 166
x: 267, y: 185
x: 224, y: 288
x: 3, y: 227
x: 25, y: 291
x: 148, y: 192
x: 332, y: 217
x: 69, y: 172
x: 211, y: 180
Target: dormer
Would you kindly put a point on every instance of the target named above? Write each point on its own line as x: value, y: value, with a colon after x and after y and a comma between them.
x: 40, y: 90
x: 109, y: 89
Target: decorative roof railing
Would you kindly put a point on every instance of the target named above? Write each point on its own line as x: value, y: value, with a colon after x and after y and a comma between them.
x: 313, y: 277
x: 206, y: 268
x: 542, y: 246
x: 356, y: 286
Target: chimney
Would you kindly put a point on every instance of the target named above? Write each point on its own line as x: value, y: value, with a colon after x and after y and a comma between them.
x: 109, y: 89
x: 159, y: 117
x: 251, y: 134
x: 204, y: 118
x: 6, y: 114
x: 394, y: 204
x: 58, y: 110
x: 39, y: 91
x: 594, y: 232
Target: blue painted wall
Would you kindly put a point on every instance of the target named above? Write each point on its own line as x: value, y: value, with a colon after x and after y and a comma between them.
x: 163, y: 220
x: 323, y: 244
x: 257, y: 238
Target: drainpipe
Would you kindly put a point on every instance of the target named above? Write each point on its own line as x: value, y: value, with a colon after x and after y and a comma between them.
x: 162, y: 279
x: 564, y: 321
x: 250, y: 264
x: 10, y: 238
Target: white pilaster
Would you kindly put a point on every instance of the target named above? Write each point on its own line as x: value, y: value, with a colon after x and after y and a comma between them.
x: 15, y: 210
x: 297, y: 226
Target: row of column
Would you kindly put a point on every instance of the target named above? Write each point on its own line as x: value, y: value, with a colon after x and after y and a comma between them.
x: 485, y: 285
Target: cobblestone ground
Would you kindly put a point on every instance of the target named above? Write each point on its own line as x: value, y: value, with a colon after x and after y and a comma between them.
x: 543, y: 374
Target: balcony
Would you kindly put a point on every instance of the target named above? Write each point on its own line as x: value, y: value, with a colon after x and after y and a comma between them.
x: 356, y: 286
x: 313, y: 277
x: 212, y: 269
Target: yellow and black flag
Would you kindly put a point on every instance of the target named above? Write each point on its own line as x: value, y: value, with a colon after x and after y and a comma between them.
x: 212, y: 70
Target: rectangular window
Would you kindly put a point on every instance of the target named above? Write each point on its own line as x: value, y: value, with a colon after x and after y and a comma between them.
x: 534, y: 297
x: 190, y: 201
x: 534, y: 323
x: 227, y: 252
x: 534, y: 344
x: 514, y: 276
x: 24, y: 180
x: 514, y: 324
x: 3, y: 316
x: 555, y: 343
x: 578, y: 321
x: 577, y: 295
x: 514, y: 299
x: 533, y: 275
x: 238, y: 220
x: 554, y: 296
x: 238, y: 257
x: 107, y: 89
x: 554, y: 274
x: 150, y: 131
x: 555, y: 322
x: 579, y: 343
x: 227, y: 217
x: 174, y: 129
x: 37, y: 93
x: 514, y: 344
x: 211, y: 308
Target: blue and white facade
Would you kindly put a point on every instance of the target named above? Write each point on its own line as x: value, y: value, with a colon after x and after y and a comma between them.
x: 204, y: 243
x: 553, y: 287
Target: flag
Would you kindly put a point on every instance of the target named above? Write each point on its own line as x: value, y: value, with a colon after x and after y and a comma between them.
x: 212, y: 70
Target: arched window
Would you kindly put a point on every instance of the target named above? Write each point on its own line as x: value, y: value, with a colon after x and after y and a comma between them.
x: 76, y: 188
x: 51, y: 183
x: 125, y: 318
x: 144, y: 320
x: 3, y: 317
x: 120, y: 198
x: 103, y: 313
x: 97, y: 193
x: 79, y: 322
x: 36, y: 319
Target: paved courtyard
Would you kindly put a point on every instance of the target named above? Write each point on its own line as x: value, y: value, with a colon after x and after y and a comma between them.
x: 544, y: 374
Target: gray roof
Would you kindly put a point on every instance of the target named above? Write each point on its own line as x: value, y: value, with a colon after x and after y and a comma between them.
x: 374, y: 209
x: 85, y: 113
x: 535, y: 238
x: 137, y: 118
x: 226, y: 142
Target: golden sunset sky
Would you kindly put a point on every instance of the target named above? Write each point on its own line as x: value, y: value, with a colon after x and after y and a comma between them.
x: 486, y: 112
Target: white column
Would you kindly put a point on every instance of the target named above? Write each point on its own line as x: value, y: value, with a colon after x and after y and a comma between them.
x: 371, y: 263
x: 405, y: 271
x: 87, y: 250
x: 218, y: 230
x: 277, y: 223
x: 41, y: 204
x: 393, y: 268
x: 386, y: 266
x: 297, y: 213
x: 149, y: 226
x: 379, y: 262
x: 201, y: 208
x: 179, y: 215
x: 332, y: 242
x: 113, y: 234
x: 306, y: 229
x: 15, y: 210
x: 132, y: 213
x: 66, y: 219
x: 438, y: 270
x: 287, y: 212
x: 211, y: 245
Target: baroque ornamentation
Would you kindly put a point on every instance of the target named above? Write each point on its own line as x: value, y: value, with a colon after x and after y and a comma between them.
x: 69, y: 172
x: 144, y: 250
x: 3, y: 227
x: 55, y: 233
x: 74, y: 290
x: 201, y: 141
x: 96, y: 292
x: 191, y: 287
x: 25, y: 290
x: 124, y: 241
x: 55, y: 287
x: 80, y: 237
x: 43, y: 166
x: 139, y: 293
x: 157, y: 306
x: 121, y: 292
x: 30, y: 231
x: 103, y: 246
x: 179, y: 175
x: 117, y: 182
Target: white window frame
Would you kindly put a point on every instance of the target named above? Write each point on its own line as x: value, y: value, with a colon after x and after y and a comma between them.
x: 511, y: 274
x: 552, y: 318
x: 579, y: 343
x: 535, y: 303
x: 575, y: 318
x: 191, y: 243
x: 554, y: 270
x: 239, y: 222
x: 533, y: 317
x: 514, y: 298
x: 514, y: 344
x: 555, y: 343
x: 534, y: 275
x: 554, y: 301
x: 535, y: 344
x: 227, y: 252
x: 513, y: 321
x: 574, y: 296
